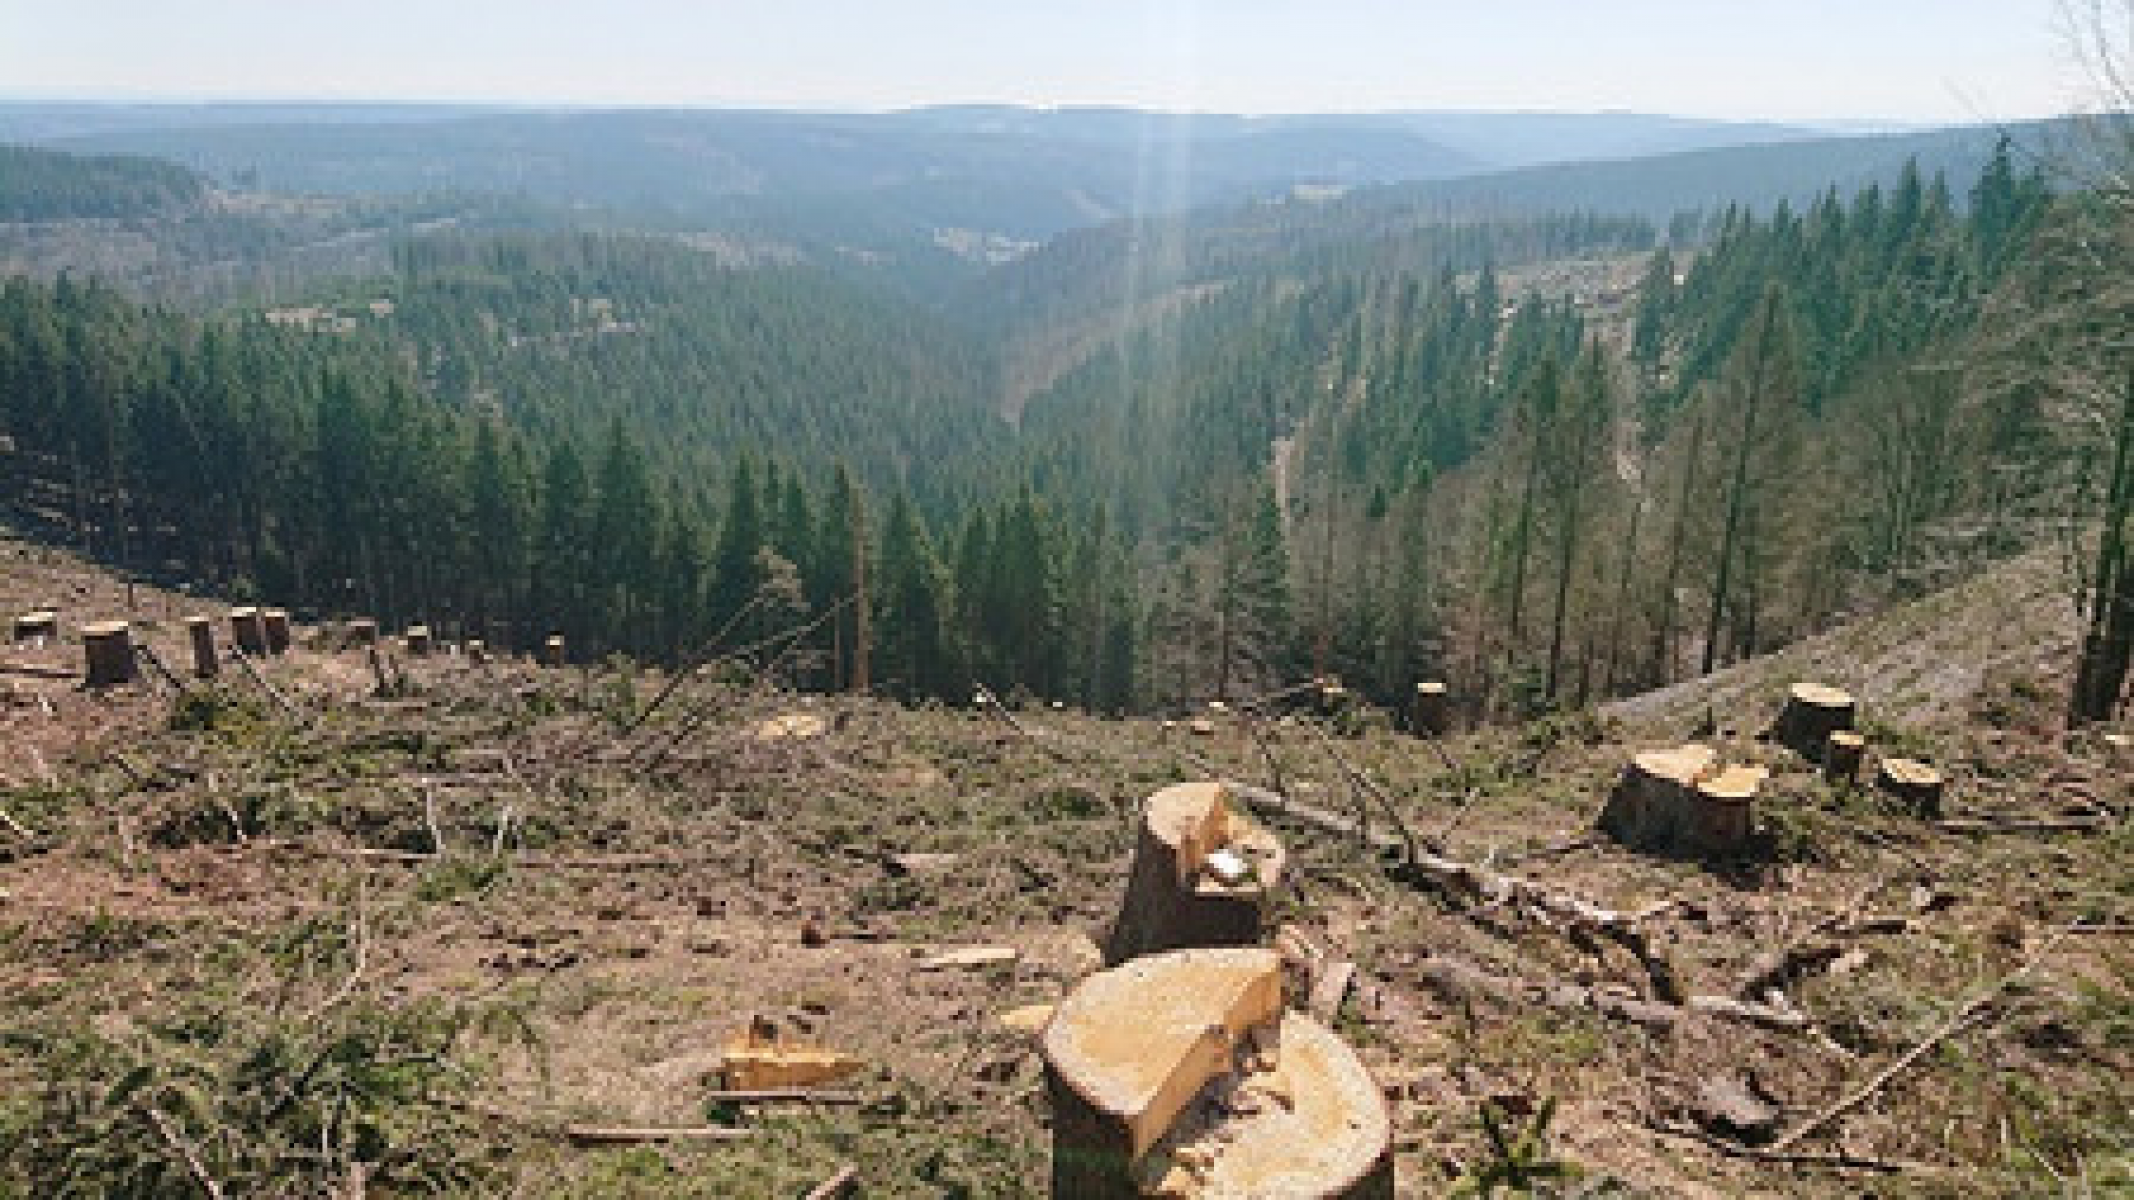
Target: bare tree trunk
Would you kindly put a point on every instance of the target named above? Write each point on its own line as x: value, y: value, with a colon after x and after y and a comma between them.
x: 2108, y: 643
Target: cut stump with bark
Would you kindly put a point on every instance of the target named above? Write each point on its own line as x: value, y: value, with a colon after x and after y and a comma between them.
x: 248, y: 628
x: 1683, y: 800
x: 1812, y: 713
x: 1201, y: 876
x: 1916, y: 784
x: 1842, y: 757
x: 201, y: 633
x: 274, y: 623
x: 42, y: 624
x: 418, y: 640
x: 552, y: 651
x: 1181, y: 1074
x: 107, y: 650
x: 363, y: 631
x: 1430, y: 712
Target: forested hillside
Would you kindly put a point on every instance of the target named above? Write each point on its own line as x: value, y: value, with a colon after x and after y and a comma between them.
x: 45, y: 185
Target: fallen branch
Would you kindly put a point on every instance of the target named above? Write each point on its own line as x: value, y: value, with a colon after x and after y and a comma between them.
x: 636, y: 1135
x: 784, y: 1096
x: 38, y: 671
x: 1839, y: 1161
x: 2021, y: 825
x: 169, y: 1133
x: 841, y: 1184
x: 1963, y: 1014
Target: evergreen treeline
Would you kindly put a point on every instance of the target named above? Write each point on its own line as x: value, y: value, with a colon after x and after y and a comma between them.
x: 48, y: 185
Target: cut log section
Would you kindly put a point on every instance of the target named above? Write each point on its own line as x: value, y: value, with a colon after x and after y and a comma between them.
x: 1180, y: 1074
x: 38, y: 625
x: 1915, y: 783
x: 1430, y: 713
x: 206, y: 662
x: 1201, y: 876
x: 274, y: 623
x: 760, y: 1057
x: 1842, y: 758
x: 107, y: 649
x: 1813, y: 712
x: 248, y: 628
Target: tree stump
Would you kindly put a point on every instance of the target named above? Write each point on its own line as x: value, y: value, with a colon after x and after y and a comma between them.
x: 362, y: 632
x: 274, y: 622
x: 1725, y: 810
x: 1813, y: 712
x: 1915, y: 783
x: 477, y: 651
x: 206, y: 662
x: 1430, y: 713
x: 1201, y: 876
x: 1842, y: 758
x: 40, y: 624
x: 107, y: 647
x: 418, y: 641
x: 1181, y: 1074
x: 1651, y: 804
x: 552, y: 651
x: 248, y: 628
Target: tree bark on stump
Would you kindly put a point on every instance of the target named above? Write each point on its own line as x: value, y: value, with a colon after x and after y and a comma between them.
x: 1842, y: 758
x: 1651, y: 801
x: 363, y: 632
x: 274, y: 623
x: 42, y: 623
x: 248, y: 628
x: 418, y: 638
x: 1915, y: 783
x: 1176, y: 896
x: 1182, y: 1074
x: 1812, y: 713
x: 107, y: 648
x: 552, y: 651
x: 206, y: 663
x: 1725, y: 810
x: 1430, y: 713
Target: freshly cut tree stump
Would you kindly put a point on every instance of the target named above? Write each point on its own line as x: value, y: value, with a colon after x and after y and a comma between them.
x: 206, y: 662
x: 107, y: 647
x: 1918, y: 785
x: 551, y: 653
x: 418, y: 639
x: 42, y: 623
x: 274, y: 623
x: 362, y: 632
x: 1430, y: 713
x: 1725, y: 810
x: 1842, y: 757
x: 1651, y: 802
x: 248, y: 628
x: 1202, y: 875
x: 477, y: 651
x: 1813, y: 712
x: 1181, y: 1074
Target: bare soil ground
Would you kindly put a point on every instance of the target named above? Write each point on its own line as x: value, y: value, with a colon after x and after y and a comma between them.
x: 446, y: 926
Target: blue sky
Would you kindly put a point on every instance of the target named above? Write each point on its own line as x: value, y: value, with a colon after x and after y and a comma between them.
x: 1914, y: 60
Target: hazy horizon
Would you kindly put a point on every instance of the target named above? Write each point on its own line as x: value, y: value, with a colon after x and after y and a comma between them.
x: 1898, y: 63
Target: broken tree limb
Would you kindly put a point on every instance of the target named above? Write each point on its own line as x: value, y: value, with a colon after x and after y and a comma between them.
x: 844, y: 1183
x: 639, y: 1135
x: 1941, y: 1033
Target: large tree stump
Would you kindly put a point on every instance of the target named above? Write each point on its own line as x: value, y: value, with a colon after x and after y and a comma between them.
x: 1201, y: 876
x: 1916, y: 784
x: 1813, y: 712
x: 1842, y: 758
x: 1652, y: 802
x: 274, y: 623
x: 40, y: 624
x: 206, y: 662
x: 363, y: 631
x: 1724, y: 812
x: 1430, y: 712
x: 551, y: 653
x: 107, y: 648
x: 1181, y: 1074
x: 248, y: 628
x: 418, y: 640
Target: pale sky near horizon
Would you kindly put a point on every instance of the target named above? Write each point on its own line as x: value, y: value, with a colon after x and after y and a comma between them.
x: 1903, y: 60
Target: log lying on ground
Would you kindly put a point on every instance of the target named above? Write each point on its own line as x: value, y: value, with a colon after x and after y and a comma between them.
x: 1842, y: 757
x: 248, y: 628
x: 1181, y: 1074
x: 107, y: 650
x: 201, y: 632
x: 1916, y: 784
x: 1812, y: 713
x: 1201, y: 876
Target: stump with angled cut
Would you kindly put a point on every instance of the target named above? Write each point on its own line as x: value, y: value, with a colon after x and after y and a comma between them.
x: 1181, y: 1074
x: 1842, y: 757
x: 39, y: 624
x: 1201, y: 876
x: 201, y: 632
x: 274, y: 624
x: 552, y: 651
x: 418, y: 639
x: 1430, y: 713
x: 1813, y: 712
x: 107, y: 649
x: 1652, y: 802
x: 1915, y: 783
x: 248, y: 628
x: 1724, y: 811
